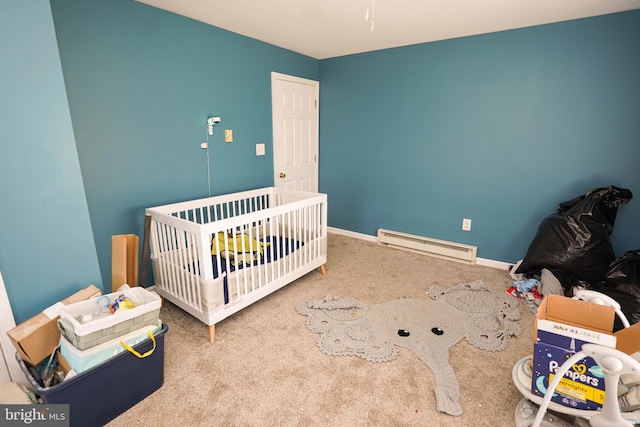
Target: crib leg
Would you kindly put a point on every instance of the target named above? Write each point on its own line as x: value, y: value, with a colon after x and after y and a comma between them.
x: 323, y: 270
x: 212, y: 333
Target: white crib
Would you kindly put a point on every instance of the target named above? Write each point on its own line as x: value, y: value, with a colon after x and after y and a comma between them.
x: 213, y: 257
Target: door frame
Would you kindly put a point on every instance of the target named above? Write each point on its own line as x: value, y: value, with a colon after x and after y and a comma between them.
x: 9, y: 368
x: 275, y: 105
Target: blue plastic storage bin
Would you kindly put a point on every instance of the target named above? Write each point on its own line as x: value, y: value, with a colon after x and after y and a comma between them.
x: 105, y: 391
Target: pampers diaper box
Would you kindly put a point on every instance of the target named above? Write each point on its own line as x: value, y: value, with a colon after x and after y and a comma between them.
x: 563, y: 325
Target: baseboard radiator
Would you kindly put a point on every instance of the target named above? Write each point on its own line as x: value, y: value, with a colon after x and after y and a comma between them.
x: 425, y: 245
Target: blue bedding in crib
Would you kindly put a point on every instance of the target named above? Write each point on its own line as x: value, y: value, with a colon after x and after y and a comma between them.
x: 279, y: 247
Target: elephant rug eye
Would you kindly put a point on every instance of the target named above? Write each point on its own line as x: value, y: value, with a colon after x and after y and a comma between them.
x: 437, y: 331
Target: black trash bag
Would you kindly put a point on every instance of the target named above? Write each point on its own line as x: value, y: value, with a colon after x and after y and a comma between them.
x: 622, y: 283
x: 574, y: 242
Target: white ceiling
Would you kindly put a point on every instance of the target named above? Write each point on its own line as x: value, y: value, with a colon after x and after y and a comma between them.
x: 328, y: 28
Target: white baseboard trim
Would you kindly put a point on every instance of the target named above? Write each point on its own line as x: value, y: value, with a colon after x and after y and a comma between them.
x: 479, y: 261
x: 353, y: 234
x: 500, y: 265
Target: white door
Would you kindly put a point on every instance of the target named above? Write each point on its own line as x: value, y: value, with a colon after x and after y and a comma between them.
x: 295, y: 132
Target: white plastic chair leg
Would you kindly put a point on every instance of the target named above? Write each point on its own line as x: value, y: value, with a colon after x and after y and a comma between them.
x: 602, y: 299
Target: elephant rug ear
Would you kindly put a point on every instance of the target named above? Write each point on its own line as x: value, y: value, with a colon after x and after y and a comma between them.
x: 491, y: 332
x: 489, y: 316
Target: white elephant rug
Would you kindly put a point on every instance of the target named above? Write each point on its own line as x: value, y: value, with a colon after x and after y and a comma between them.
x: 428, y: 327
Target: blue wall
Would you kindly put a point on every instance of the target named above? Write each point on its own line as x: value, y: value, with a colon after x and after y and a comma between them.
x: 47, y: 250
x: 498, y: 128
x: 141, y: 83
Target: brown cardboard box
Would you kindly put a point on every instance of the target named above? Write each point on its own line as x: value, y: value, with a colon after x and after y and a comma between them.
x: 36, y: 338
x: 124, y: 260
x: 591, y: 316
x: 562, y: 326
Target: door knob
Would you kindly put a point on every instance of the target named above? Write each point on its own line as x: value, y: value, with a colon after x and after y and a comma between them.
x: 282, y: 175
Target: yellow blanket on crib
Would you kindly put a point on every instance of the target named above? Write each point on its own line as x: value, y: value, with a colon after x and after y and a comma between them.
x: 241, y: 243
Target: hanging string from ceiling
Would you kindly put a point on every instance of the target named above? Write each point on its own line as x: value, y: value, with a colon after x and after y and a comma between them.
x: 370, y: 11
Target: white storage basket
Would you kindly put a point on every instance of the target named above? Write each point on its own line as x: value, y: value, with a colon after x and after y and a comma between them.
x: 86, y: 324
x: 82, y: 360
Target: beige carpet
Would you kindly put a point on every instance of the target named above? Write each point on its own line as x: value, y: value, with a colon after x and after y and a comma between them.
x: 265, y: 368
